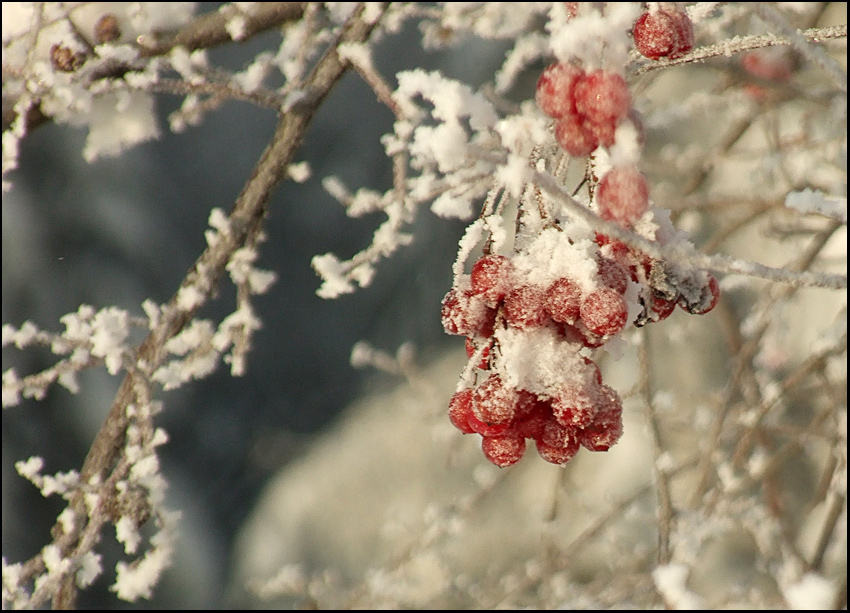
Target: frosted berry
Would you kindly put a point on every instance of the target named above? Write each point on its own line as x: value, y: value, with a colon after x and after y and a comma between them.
x: 503, y: 450
x: 466, y: 314
x: 557, y: 455
x: 491, y: 277
x: 460, y: 408
x: 607, y: 426
x: 613, y: 275
x: 575, y: 137
x: 664, y: 33
x: 707, y: 300
x: 563, y: 300
x: 524, y: 307
x: 574, y: 406
x: 602, y: 96
x: 555, y: 87
x: 493, y: 402
x: 604, y: 311
x: 623, y: 195
x: 603, y: 132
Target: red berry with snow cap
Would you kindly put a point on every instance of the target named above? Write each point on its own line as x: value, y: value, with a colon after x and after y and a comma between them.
x: 491, y: 277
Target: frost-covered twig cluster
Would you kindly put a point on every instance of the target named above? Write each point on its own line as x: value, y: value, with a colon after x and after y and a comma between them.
x: 734, y: 131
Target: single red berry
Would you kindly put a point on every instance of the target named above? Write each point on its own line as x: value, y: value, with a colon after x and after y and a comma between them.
x: 555, y: 86
x: 563, y: 300
x: 493, y: 402
x: 575, y: 137
x: 604, y: 312
x: 557, y: 455
x: 574, y: 406
x: 557, y: 435
x: 503, y: 450
x: 524, y: 307
x: 613, y: 275
x: 602, y: 96
x: 460, y: 408
x: 684, y: 28
x: 607, y: 427
x: 664, y: 34
x: 491, y: 277
x: 466, y: 314
x: 661, y: 307
x: 623, y: 195
x: 709, y: 295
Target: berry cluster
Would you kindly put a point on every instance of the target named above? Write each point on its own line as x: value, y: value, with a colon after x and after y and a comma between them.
x: 557, y: 397
x: 588, y: 106
x: 530, y: 319
x: 664, y: 31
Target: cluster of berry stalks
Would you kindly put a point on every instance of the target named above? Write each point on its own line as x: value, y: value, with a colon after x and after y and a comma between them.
x: 499, y: 301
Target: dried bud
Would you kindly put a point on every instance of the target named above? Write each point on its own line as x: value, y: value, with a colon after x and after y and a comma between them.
x: 106, y: 29
x: 64, y: 59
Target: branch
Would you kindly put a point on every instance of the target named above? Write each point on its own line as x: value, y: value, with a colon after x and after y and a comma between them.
x: 245, y: 222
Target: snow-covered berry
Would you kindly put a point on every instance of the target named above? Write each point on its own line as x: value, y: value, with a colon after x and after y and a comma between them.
x: 503, y: 450
x: 623, y: 195
x: 554, y: 93
x: 604, y: 311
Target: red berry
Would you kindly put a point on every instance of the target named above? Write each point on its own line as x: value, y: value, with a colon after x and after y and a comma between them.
x: 602, y: 96
x: 604, y: 312
x: 466, y: 314
x: 555, y: 86
x: 684, y: 34
x: 460, y: 408
x: 493, y: 402
x: 575, y: 137
x: 524, y: 307
x: 603, y: 132
x: 607, y: 427
x: 708, y: 297
x: 563, y: 300
x: 557, y: 455
x: 613, y: 275
x: 623, y: 195
x: 661, y: 307
x: 503, y: 450
x: 574, y: 406
x: 491, y: 277
x: 664, y: 34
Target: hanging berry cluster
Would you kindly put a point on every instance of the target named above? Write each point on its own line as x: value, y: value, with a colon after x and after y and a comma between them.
x: 530, y: 318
